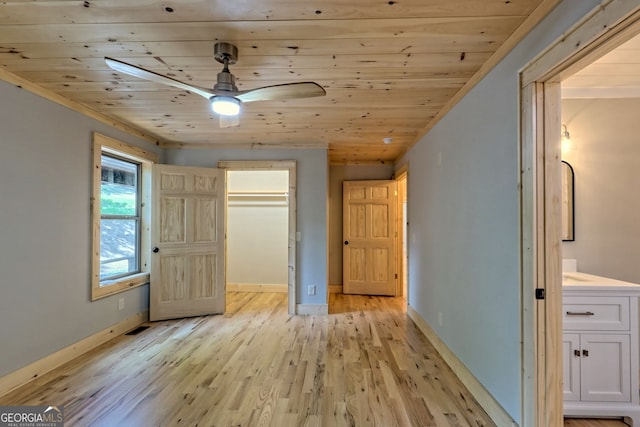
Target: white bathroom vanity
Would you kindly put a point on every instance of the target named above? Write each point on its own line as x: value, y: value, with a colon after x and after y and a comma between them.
x: 600, y: 347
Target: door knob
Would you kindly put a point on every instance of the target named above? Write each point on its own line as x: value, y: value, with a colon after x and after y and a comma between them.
x: 156, y: 250
x: 346, y: 242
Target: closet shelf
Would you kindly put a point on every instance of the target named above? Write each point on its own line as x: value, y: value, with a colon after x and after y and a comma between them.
x: 277, y: 198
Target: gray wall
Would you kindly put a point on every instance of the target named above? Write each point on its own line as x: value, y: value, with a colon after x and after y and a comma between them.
x: 312, y: 187
x: 45, y: 246
x: 464, y: 220
x: 606, y: 163
x: 338, y: 174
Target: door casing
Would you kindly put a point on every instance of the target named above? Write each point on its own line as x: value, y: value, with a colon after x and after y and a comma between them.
x: 600, y: 31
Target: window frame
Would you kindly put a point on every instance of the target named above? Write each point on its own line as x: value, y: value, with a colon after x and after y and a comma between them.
x: 105, y: 145
x: 136, y: 217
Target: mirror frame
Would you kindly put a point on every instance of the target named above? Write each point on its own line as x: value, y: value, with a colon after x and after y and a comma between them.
x: 567, y: 207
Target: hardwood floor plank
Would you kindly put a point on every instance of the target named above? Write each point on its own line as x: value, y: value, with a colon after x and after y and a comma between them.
x: 365, y: 364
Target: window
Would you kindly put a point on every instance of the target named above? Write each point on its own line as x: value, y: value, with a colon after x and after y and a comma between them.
x: 120, y: 216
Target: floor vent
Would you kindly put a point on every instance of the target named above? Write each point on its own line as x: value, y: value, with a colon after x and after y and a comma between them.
x: 137, y: 330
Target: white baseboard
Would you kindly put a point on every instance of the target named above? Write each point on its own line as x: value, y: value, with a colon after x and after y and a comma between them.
x: 475, y: 387
x: 36, y: 369
x: 335, y: 289
x: 312, y: 309
x: 257, y: 287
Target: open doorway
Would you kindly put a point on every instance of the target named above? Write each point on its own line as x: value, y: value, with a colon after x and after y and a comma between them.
x: 541, y: 219
x: 286, y: 200
x: 599, y: 147
x: 257, y: 231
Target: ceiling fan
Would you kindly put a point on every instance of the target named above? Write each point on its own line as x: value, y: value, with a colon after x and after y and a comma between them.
x: 225, y: 98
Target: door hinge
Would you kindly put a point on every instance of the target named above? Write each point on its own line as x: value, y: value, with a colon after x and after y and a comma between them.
x: 539, y: 293
x: 396, y: 275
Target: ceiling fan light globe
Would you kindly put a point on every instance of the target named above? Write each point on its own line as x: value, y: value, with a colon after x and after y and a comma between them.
x: 225, y: 105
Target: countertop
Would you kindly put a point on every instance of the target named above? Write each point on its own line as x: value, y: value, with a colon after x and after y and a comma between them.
x: 590, y: 282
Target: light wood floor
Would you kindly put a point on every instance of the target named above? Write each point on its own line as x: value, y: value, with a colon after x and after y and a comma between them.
x: 365, y: 364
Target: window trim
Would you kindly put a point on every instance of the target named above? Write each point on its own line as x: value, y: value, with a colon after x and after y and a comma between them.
x: 103, y: 144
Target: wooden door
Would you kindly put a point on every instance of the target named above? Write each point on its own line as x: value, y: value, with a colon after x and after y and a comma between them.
x: 369, y: 237
x: 187, y: 271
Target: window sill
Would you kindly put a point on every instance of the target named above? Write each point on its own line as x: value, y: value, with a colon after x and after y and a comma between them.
x: 112, y: 287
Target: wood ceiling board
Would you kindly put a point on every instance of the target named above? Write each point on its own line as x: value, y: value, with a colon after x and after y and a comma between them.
x: 389, y: 67
x: 164, y: 65
x: 146, y: 86
x: 617, y: 80
x: 341, y: 97
x: 103, y: 11
x: 429, y: 43
x: 250, y: 31
x: 615, y: 75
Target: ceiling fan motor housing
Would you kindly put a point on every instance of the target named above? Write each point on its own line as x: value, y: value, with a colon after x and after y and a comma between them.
x: 226, y: 82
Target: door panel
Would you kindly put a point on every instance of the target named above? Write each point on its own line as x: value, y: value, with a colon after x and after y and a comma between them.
x: 571, y: 366
x: 172, y: 220
x: 187, y: 273
x: 369, y: 255
x: 606, y: 368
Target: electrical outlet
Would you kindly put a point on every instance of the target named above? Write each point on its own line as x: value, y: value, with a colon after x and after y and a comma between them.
x: 121, y: 304
x: 440, y: 318
x: 312, y: 289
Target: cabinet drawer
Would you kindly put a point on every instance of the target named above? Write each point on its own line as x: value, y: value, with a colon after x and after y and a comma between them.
x: 595, y: 313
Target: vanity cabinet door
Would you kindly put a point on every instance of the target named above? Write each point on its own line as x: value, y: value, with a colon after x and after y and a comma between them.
x: 605, y: 368
x: 571, y: 366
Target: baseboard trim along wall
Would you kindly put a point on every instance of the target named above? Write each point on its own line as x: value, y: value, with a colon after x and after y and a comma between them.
x: 257, y: 287
x: 484, y: 398
x: 312, y: 309
x: 40, y: 367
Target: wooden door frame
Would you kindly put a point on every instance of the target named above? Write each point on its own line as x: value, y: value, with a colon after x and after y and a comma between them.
x: 604, y: 28
x: 401, y: 174
x: 270, y: 165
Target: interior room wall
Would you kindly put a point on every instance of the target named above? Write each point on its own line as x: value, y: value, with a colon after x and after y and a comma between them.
x: 464, y: 220
x: 312, y: 192
x: 606, y: 164
x: 338, y: 174
x: 257, y: 228
x: 45, y: 244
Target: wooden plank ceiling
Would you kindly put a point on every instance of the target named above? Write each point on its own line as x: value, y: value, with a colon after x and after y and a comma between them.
x: 614, y: 75
x: 388, y: 66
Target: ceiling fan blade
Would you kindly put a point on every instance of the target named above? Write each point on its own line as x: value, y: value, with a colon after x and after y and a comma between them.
x: 135, y: 71
x: 229, y: 121
x: 283, y: 91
